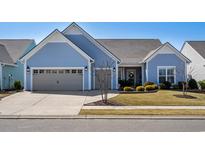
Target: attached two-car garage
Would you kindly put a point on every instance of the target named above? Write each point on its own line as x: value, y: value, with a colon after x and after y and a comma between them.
x: 57, y: 79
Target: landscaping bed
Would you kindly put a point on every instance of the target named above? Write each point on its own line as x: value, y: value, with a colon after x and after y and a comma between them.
x: 6, y: 93
x: 173, y: 112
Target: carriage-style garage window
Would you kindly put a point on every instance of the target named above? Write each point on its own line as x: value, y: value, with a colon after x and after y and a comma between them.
x: 41, y: 71
x: 67, y: 71
x: 73, y: 71
x: 54, y: 71
x: 167, y: 73
x: 60, y: 71
x: 80, y: 71
x: 35, y: 71
x: 48, y: 71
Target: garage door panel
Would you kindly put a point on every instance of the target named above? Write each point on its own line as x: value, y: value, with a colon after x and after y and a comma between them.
x: 57, y: 81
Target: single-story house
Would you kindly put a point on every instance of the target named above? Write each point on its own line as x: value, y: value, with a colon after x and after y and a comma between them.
x: 11, y: 68
x: 73, y: 60
x: 195, y: 51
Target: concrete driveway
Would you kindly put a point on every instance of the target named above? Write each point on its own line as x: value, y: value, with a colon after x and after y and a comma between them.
x: 47, y: 103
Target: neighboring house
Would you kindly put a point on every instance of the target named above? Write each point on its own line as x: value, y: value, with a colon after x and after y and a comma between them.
x: 72, y: 60
x: 195, y: 51
x: 11, y: 68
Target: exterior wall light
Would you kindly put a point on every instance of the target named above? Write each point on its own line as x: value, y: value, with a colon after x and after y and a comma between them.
x: 114, y: 69
x: 27, y: 69
x: 86, y: 68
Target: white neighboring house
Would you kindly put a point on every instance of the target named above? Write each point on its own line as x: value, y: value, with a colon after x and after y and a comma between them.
x: 195, y: 51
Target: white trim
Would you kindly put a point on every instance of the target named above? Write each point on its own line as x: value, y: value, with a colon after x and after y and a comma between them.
x: 142, y: 70
x: 111, y: 69
x: 55, y: 36
x: 147, y: 71
x: 116, y: 71
x: 175, y: 51
x: 92, y: 40
x: 185, y: 72
x: 25, y: 76
x: 9, y: 64
x: 166, y: 67
x: 130, y: 65
x: 57, y: 68
x: 1, y: 76
x: 89, y: 76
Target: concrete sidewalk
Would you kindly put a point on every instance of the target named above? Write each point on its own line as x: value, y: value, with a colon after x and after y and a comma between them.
x: 144, y: 107
x: 183, y: 117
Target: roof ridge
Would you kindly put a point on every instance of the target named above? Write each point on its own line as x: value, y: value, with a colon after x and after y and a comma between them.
x: 126, y: 39
x: 17, y: 39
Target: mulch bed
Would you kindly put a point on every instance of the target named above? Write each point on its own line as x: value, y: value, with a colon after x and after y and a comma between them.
x: 101, y: 103
x: 185, y: 96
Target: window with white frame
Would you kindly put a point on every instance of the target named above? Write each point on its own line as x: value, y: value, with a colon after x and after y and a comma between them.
x: 167, y: 73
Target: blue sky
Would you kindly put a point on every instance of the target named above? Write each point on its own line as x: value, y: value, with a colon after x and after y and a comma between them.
x: 175, y: 33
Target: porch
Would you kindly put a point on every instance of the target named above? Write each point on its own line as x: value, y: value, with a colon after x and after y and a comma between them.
x: 133, y: 74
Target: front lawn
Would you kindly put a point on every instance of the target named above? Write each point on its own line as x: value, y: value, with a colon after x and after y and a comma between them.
x: 160, y: 98
x: 142, y: 112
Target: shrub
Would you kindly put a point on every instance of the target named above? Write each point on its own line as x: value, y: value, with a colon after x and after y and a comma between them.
x: 140, y: 88
x: 124, y: 83
x: 202, y: 84
x: 162, y: 86
x: 127, y: 88
x: 165, y: 85
x: 180, y: 84
x: 175, y: 86
x: 192, y: 84
x: 150, y: 87
x: 17, y: 85
x: 148, y: 83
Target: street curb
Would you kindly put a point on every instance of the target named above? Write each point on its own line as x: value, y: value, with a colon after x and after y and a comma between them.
x: 102, y: 117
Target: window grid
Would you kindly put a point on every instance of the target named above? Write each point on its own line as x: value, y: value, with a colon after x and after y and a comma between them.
x: 167, y: 75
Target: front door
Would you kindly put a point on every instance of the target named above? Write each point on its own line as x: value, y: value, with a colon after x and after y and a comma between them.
x: 131, y: 76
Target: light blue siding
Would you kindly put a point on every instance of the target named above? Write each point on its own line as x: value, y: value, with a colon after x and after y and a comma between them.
x: 57, y: 55
x: 12, y: 73
x: 166, y: 60
x: 100, y: 57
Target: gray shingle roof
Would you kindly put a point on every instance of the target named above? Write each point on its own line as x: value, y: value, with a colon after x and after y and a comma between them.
x: 130, y: 51
x: 13, y: 48
x: 199, y: 46
x: 4, y: 55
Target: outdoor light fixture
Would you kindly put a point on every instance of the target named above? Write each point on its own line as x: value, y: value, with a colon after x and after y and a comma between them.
x: 114, y: 69
x: 27, y: 69
x: 86, y: 68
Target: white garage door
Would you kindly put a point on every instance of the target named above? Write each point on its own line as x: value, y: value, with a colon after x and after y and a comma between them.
x: 58, y: 79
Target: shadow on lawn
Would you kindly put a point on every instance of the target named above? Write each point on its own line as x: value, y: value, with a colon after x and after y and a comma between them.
x: 185, y: 96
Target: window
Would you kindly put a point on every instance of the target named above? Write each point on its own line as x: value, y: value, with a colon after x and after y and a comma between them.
x: 67, y: 71
x: 60, y: 71
x: 35, y: 71
x: 41, y: 71
x: 54, y: 71
x: 166, y: 74
x: 73, y: 71
x: 48, y: 71
x: 80, y: 71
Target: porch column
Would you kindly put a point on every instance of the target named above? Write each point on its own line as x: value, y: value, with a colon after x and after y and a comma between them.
x: 142, y: 74
x: 1, y: 76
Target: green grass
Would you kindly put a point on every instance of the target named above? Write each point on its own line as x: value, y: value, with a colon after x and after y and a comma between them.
x: 142, y: 112
x: 162, y: 97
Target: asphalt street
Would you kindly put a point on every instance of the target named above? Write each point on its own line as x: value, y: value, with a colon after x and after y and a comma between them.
x: 101, y: 125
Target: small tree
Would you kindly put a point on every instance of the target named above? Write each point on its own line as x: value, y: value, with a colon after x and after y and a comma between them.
x: 103, y: 79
